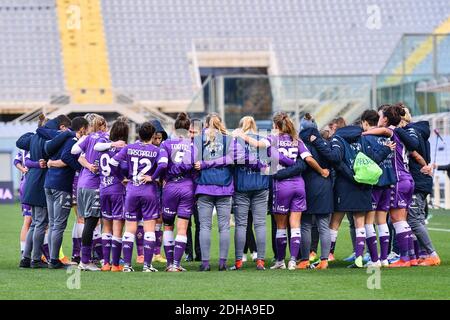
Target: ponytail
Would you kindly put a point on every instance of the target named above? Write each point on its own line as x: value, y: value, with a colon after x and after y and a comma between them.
x: 285, y: 125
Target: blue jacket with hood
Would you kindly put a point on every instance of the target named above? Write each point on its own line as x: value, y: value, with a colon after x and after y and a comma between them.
x: 33, y: 193
x: 422, y: 182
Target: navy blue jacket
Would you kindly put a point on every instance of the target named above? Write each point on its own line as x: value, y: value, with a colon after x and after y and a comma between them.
x: 247, y: 178
x: 319, y: 190
x: 350, y: 196
x: 62, y: 178
x: 388, y: 177
x: 33, y: 193
x: 422, y: 182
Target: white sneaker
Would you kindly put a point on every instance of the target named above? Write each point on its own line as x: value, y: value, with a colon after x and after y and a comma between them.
x: 127, y: 268
x: 376, y: 264
x: 385, y: 263
x: 278, y: 265
x: 393, y: 256
x: 149, y: 269
x: 244, y: 258
x: 88, y: 267
x: 254, y: 256
x: 292, y: 265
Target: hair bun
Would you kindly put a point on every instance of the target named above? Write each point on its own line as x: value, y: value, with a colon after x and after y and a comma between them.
x: 122, y: 119
x: 41, y: 117
x: 182, y: 116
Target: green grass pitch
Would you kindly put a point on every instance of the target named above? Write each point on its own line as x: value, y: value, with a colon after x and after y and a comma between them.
x: 336, y: 283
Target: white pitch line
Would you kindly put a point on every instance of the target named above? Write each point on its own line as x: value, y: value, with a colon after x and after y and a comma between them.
x: 439, y: 229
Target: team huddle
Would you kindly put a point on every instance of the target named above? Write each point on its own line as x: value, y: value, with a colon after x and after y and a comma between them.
x: 377, y: 171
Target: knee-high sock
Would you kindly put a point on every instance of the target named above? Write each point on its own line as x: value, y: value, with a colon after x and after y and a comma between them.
x: 140, y: 240
x: 106, y: 245
x: 281, y: 239
x: 383, y: 234
x: 402, y: 231
x: 333, y: 236
x: 360, y: 241
x: 180, y: 245
x: 76, y: 241
x: 149, y: 246
x: 127, y: 247
x: 371, y: 240
x: 116, y: 245
x: 158, y: 235
x: 168, y: 246
x: 295, y: 242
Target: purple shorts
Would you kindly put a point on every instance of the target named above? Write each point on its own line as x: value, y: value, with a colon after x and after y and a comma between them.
x: 138, y: 207
x: 289, y: 196
x: 381, y: 198
x: 401, y: 194
x: 26, y: 210
x: 112, y: 206
x: 178, y: 199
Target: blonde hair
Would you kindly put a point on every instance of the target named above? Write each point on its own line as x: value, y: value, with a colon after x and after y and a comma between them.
x: 407, y: 117
x: 96, y: 122
x: 42, y: 120
x: 215, y: 126
x: 248, y: 123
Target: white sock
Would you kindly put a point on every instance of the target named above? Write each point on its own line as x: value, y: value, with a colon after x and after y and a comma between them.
x: 106, y: 236
x: 180, y: 238
x: 22, y: 245
x: 168, y: 238
x: 128, y: 236
x: 74, y: 231
x: 97, y: 232
x: 370, y: 231
x: 114, y: 238
x: 80, y: 228
x: 46, y: 238
x: 383, y: 230
x: 158, y: 227
x: 295, y: 232
x: 150, y: 236
x: 281, y: 233
x: 401, y: 226
x: 333, y: 235
x: 360, y: 232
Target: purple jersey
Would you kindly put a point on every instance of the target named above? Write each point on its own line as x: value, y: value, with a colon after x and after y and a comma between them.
x: 87, y: 179
x: 289, y: 148
x: 180, y: 159
x: 111, y: 177
x: 401, y: 158
x: 142, y: 159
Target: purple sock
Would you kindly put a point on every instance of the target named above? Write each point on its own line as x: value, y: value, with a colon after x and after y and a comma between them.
x: 423, y: 253
x: 45, y: 251
x: 76, y: 247
x: 205, y: 263
x: 106, y: 252
x: 116, y: 249
x: 169, y: 250
x: 294, y: 246
x: 127, y: 248
x: 281, y: 240
x: 384, y: 247
x: 333, y: 247
x: 222, y: 262
x: 140, y: 240
x: 157, y: 249
x: 372, y: 247
x: 86, y: 252
x: 149, y: 246
x: 402, y: 242
x: 178, y: 252
x: 360, y: 244
x: 97, y: 247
